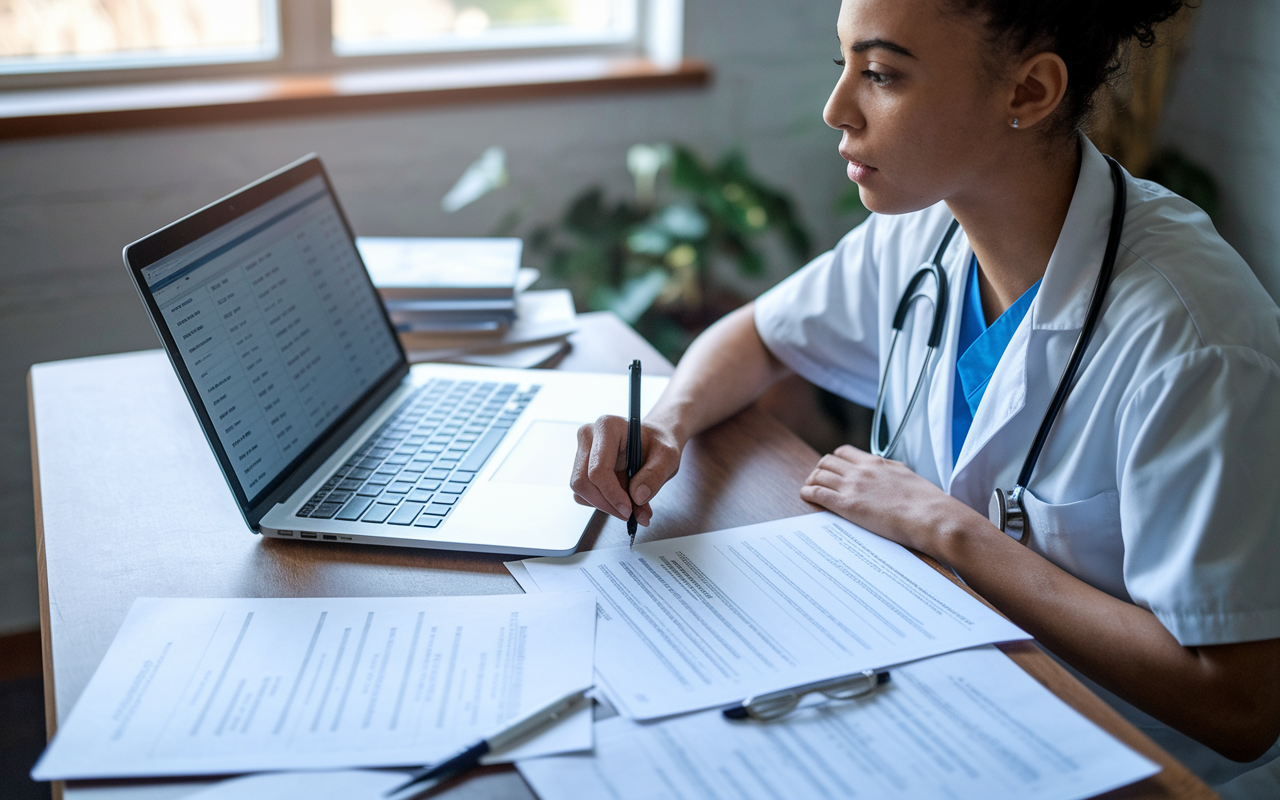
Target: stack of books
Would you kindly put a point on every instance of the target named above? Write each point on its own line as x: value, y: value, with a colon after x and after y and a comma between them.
x: 464, y: 300
x: 437, y: 284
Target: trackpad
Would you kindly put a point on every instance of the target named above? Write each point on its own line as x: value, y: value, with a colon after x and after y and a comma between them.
x: 543, y: 457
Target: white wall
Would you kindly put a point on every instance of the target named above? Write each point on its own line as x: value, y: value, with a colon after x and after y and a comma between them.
x: 68, y: 205
x: 1224, y: 113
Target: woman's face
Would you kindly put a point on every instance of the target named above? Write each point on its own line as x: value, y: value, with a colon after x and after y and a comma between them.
x: 921, y: 117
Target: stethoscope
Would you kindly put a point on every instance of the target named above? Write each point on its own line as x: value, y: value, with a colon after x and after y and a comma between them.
x: 1005, y: 511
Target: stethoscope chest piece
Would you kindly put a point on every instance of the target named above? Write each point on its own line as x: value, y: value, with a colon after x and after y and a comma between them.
x: 1006, y: 513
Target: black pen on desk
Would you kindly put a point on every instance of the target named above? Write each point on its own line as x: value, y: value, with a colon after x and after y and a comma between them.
x: 635, y: 459
x: 505, y: 737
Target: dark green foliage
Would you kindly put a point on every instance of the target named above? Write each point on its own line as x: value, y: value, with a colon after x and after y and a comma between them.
x: 650, y: 264
x: 1176, y: 173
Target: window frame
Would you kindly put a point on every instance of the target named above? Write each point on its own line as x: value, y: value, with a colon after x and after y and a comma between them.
x: 306, y: 46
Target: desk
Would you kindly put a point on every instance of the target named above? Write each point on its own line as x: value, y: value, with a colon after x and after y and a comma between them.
x: 130, y: 502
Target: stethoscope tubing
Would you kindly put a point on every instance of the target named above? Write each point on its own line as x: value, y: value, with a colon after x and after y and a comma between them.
x: 936, y: 330
x: 1067, y: 380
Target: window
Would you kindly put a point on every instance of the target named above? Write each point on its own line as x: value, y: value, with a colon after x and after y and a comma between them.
x: 364, y: 27
x: 72, y: 35
x: 79, y: 42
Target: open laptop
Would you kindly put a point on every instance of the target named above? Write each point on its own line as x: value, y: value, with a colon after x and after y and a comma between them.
x: 322, y: 429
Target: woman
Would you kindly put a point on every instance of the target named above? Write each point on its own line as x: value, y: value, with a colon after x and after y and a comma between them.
x: 1148, y: 567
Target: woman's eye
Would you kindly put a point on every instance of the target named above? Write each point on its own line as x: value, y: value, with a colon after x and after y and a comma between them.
x: 878, y: 78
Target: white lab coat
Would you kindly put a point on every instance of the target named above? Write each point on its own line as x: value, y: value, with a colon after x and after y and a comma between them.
x: 1157, y: 484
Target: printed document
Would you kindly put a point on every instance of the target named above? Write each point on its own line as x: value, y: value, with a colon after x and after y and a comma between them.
x: 964, y: 725
x: 707, y: 620
x: 208, y: 687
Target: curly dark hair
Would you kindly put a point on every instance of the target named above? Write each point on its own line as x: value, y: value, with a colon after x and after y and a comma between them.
x: 1088, y: 35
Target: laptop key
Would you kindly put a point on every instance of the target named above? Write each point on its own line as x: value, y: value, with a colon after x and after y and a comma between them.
x: 419, y: 496
x: 453, y: 488
x: 405, y: 513
x: 378, y: 513
x: 462, y: 477
x: 400, y: 487
x: 481, y: 451
x: 369, y: 490
x: 354, y: 508
x: 437, y: 474
x: 446, y: 499
x: 326, y: 510
x: 428, y: 521
x: 438, y: 509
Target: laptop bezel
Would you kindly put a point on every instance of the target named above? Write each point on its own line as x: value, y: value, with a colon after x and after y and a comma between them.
x: 167, y: 240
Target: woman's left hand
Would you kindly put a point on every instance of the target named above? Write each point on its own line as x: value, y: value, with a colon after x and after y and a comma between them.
x: 886, y: 498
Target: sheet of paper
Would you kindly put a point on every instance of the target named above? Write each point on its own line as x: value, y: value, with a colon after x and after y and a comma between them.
x: 706, y: 620
x: 963, y: 725
x: 350, y: 784
x: 207, y: 687
x: 521, y: 574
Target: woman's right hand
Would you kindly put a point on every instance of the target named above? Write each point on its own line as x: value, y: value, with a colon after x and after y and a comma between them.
x: 600, y: 468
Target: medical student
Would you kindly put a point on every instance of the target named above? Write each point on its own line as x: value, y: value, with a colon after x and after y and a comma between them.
x: 1152, y: 561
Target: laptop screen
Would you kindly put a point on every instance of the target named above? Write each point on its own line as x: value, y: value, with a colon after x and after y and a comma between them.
x: 278, y: 326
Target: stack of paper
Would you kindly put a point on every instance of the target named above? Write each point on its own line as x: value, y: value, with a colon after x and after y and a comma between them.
x: 544, y: 321
x: 208, y: 687
x: 968, y: 725
x: 464, y: 300
x: 672, y: 632
x: 702, y: 622
x: 444, y: 284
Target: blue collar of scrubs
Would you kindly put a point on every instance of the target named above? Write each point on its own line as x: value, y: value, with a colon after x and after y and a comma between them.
x: 980, y: 348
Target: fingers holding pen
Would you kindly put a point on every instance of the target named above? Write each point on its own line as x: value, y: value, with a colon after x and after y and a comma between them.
x: 601, y: 455
x: 661, y: 462
x: 599, y: 471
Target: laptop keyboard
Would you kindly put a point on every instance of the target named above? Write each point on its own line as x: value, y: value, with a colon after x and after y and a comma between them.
x: 416, y: 466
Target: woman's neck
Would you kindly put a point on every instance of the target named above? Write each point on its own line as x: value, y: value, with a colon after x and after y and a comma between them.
x: 1014, y: 220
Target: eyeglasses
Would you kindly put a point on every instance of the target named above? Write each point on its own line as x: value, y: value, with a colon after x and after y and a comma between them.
x: 778, y: 704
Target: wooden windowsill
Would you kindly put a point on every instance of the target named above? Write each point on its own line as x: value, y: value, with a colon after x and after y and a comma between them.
x: 51, y: 112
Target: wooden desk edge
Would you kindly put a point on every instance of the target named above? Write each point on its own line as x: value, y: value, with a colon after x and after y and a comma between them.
x: 46, y: 638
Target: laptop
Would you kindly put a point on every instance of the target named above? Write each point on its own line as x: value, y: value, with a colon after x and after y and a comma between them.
x: 322, y: 429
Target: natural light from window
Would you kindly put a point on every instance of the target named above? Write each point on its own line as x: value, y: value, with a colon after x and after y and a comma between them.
x: 56, y: 35
x: 368, y: 27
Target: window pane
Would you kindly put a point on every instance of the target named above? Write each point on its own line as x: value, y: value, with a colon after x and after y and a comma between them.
x: 47, y: 35
x: 397, y: 26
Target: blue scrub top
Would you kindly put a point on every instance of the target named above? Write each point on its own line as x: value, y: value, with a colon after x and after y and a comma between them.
x: 980, y: 349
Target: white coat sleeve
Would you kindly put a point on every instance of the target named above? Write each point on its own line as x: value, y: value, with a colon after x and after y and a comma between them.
x: 1200, y: 495
x: 822, y: 321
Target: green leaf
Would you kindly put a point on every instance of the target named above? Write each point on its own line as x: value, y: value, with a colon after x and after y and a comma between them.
x: 635, y: 297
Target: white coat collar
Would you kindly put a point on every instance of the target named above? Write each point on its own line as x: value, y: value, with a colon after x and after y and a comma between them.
x: 1063, y: 300
x: 1060, y: 305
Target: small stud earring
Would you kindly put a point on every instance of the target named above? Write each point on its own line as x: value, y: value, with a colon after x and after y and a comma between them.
x: 1015, y: 122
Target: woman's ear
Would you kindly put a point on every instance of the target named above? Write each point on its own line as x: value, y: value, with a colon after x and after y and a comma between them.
x: 1039, y: 85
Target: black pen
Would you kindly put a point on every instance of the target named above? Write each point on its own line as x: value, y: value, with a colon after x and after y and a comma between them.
x: 507, y: 736
x: 635, y: 459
